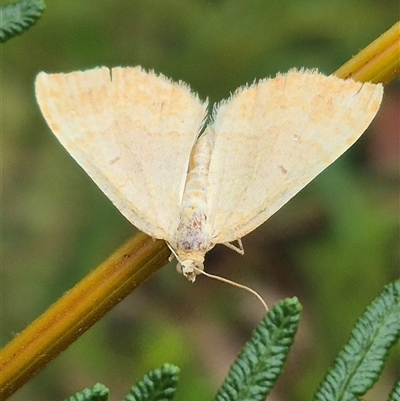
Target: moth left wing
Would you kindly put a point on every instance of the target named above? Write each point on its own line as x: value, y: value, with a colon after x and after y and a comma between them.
x: 132, y: 131
x: 271, y: 139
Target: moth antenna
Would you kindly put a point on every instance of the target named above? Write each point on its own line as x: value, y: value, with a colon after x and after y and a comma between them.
x: 233, y: 283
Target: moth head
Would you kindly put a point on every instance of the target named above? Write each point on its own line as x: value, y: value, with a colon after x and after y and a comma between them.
x: 190, y: 268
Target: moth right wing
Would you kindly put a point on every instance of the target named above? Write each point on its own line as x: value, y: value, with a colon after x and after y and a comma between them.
x: 132, y: 132
x: 271, y: 139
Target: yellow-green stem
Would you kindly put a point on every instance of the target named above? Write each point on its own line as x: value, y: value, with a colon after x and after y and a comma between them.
x: 68, y: 318
x: 378, y: 62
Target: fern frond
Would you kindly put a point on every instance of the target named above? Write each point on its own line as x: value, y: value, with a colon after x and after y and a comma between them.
x: 99, y: 392
x: 157, y: 385
x: 360, y: 363
x: 261, y: 361
x: 395, y: 393
x: 15, y: 18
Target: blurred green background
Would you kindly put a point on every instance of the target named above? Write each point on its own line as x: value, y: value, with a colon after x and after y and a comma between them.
x: 334, y: 246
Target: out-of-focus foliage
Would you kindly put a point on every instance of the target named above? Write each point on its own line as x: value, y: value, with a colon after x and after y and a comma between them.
x: 334, y: 246
x: 17, y: 17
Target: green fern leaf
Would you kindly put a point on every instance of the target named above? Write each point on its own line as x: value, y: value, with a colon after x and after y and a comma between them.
x: 261, y: 361
x: 360, y: 363
x: 99, y: 392
x: 157, y: 385
x: 395, y: 393
x: 15, y: 18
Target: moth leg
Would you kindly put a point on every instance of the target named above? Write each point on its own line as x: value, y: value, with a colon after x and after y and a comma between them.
x: 239, y: 249
x: 173, y: 254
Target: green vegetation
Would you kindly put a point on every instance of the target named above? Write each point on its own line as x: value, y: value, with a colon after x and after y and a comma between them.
x: 334, y: 246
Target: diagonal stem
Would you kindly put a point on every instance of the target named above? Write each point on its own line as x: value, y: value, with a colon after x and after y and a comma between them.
x: 82, y: 306
x: 378, y: 62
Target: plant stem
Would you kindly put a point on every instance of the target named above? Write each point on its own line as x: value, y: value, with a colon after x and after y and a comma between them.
x: 378, y: 62
x: 82, y: 306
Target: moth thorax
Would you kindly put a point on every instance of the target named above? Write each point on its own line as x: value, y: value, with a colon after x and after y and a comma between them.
x: 192, y: 234
x: 196, y: 181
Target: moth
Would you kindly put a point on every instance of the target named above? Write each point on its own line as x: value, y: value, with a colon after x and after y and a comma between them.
x: 195, y: 180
